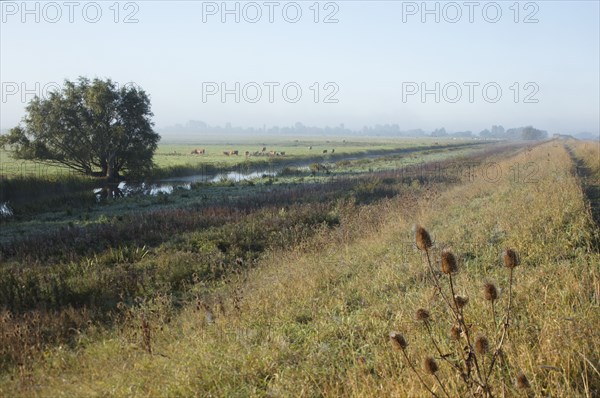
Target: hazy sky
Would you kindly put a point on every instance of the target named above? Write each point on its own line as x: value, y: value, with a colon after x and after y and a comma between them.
x: 369, y: 65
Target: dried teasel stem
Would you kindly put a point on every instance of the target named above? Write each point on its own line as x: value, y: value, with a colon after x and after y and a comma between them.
x: 460, y: 302
x: 490, y: 293
x: 450, y: 265
x: 399, y: 342
x: 511, y: 260
x: 482, y: 346
x: 423, y: 315
x: 431, y: 367
x: 423, y: 241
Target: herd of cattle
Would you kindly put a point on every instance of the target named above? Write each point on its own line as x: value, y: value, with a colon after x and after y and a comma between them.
x: 263, y: 152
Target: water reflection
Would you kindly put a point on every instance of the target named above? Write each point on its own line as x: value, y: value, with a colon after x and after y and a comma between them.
x: 124, y: 189
x: 167, y: 186
x: 237, y: 177
x: 110, y: 191
x: 5, y: 211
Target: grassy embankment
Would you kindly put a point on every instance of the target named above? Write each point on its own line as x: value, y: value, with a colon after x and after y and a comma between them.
x: 311, y: 316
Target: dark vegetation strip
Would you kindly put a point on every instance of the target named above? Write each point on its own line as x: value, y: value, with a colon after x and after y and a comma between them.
x: 590, y: 184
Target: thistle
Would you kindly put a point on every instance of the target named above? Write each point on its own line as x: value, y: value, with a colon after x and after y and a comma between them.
x: 522, y: 382
x: 511, y: 259
x: 422, y: 238
x: 482, y: 345
x: 461, y: 301
x: 430, y: 365
x: 474, y: 358
x: 455, y: 332
x: 400, y: 344
x: 449, y: 264
x: 422, y: 315
x: 490, y: 292
x: 398, y: 341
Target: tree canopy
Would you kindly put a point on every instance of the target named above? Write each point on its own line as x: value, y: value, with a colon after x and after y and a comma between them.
x: 92, y: 127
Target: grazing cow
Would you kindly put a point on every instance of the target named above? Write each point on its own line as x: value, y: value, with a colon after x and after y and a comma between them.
x: 264, y: 149
x: 324, y: 150
x: 272, y: 153
x: 227, y: 153
x: 282, y: 153
x: 236, y: 153
x: 198, y: 151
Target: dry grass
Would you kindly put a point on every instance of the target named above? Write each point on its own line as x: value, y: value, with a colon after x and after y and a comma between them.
x: 314, y: 320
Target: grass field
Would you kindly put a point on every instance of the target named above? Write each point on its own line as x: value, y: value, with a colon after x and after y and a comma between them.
x: 290, y: 286
x: 170, y: 156
x: 295, y: 149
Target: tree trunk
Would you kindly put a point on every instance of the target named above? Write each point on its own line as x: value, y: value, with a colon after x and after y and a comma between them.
x: 112, y: 173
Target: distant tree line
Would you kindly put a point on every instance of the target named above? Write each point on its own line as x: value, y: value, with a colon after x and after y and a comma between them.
x: 496, y: 132
x: 520, y: 133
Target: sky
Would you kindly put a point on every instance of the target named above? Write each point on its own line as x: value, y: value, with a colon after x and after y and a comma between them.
x: 459, y: 65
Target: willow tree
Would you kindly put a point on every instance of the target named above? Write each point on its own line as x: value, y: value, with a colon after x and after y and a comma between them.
x: 92, y: 127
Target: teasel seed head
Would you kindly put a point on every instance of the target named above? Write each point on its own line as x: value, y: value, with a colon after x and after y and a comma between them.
x: 449, y: 264
x: 430, y: 365
x: 510, y: 257
x: 522, y: 382
x: 422, y: 238
x: 422, y: 315
x: 461, y: 301
x: 482, y: 345
x: 490, y: 292
x: 398, y: 341
x: 455, y: 332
